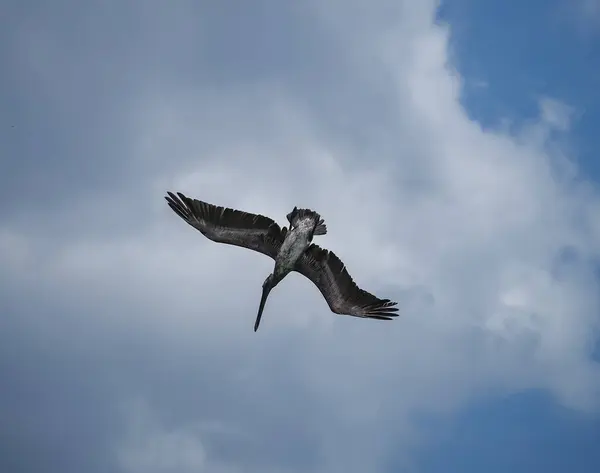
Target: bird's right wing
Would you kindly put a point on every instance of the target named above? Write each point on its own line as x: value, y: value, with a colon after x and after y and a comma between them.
x: 225, y: 225
x: 342, y: 294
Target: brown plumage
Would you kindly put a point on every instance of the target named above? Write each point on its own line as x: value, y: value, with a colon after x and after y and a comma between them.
x: 291, y: 249
x: 233, y: 227
x: 343, y: 296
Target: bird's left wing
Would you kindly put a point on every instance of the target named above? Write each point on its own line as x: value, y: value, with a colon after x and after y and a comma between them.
x: 342, y: 294
x: 233, y: 227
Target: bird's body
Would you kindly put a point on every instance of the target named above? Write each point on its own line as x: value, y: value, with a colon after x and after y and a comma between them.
x: 294, y: 245
x: 292, y: 249
x: 297, y: 239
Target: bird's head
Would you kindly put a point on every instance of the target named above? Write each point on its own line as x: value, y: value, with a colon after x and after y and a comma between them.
x: 271, y: 281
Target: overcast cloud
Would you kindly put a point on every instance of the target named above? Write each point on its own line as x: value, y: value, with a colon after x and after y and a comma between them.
x: 126, y: 339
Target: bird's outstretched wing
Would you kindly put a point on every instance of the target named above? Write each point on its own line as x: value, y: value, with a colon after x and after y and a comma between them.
x: 233, y: 227
x: 342, y: 294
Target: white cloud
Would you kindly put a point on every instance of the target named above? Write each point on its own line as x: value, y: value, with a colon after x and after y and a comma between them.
x: 149, y: 448
x: 463, y: 227
x: 555, y: 113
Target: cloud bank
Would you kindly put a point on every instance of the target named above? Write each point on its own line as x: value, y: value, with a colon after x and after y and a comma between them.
x: 130, y: 335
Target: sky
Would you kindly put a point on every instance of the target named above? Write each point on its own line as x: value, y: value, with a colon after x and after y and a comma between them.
x: 451, y: 150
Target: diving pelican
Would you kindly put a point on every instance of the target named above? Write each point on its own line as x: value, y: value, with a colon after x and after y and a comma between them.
x: 292, y: 249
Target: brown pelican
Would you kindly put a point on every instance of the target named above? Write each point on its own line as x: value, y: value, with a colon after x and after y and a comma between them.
x: 292, y: 249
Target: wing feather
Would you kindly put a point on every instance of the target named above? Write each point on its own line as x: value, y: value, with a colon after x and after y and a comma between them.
x: 338, y: 288
x: 229, y: 226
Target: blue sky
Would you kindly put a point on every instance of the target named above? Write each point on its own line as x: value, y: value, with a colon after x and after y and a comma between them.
x: 456, y: 147
x: 523, y: 52
x: 548, y: 48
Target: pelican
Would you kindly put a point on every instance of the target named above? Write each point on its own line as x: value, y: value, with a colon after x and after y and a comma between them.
x: 291, y: 248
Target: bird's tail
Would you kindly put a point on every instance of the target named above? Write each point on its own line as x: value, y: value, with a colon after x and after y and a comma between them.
x: 297, y: 215
x: 321, y: 228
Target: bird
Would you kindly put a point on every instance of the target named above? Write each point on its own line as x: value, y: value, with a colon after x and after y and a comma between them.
x: 292, y: 249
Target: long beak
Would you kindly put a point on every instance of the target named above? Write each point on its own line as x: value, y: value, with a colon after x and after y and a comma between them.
x: 265, y: 293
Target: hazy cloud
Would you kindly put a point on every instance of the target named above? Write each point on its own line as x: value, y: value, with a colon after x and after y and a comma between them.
x: 128, y: 337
